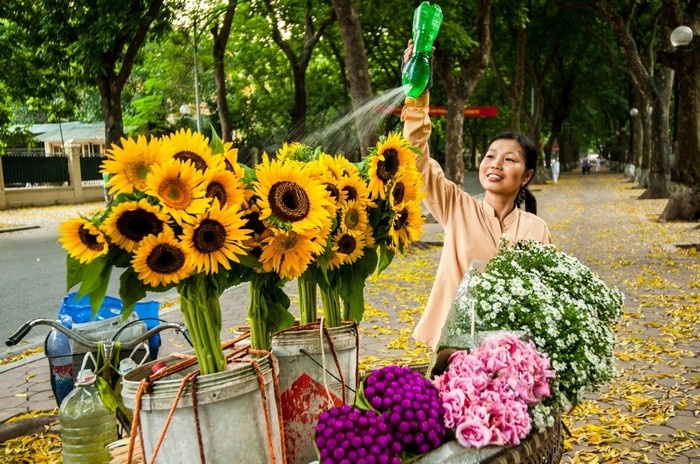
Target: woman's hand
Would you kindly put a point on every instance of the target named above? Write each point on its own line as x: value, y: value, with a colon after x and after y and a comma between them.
x: 408, y: 52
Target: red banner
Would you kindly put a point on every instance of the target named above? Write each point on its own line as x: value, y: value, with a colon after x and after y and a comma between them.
x: 469, y: 111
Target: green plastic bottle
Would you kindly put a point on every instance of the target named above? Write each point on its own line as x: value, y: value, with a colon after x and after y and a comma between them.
x: 427, y: 20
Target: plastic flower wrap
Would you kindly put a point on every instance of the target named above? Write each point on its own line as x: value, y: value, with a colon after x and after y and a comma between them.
x: 486, y: 393
x: 560, y: 303
x: 175, y: 220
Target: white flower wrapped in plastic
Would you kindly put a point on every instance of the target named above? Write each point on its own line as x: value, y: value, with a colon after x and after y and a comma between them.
x: 564, y: 307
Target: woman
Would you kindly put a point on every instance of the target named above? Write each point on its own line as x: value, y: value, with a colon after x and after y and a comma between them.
x: 473, y: 227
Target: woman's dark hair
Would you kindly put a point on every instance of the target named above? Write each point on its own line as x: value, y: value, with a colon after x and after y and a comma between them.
x: 524, y: 195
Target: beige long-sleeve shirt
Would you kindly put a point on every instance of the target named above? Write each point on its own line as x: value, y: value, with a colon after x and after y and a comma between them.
x: 472, y: 230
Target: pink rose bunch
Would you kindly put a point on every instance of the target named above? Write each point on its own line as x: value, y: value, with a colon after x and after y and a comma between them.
x: 485, y: 393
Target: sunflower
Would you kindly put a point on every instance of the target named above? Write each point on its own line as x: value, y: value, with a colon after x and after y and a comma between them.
x: 406, y: 188
x: 215, y: 238
x: 180, y: 189
x: 82, y: 239
x: 129, y: 222
x: 348, y: 247
x: 288, y: 197
x: 224, y: 186
x: 161, y: 260
x: 353, y: 188
x: 392, y: 156
x: 406, y: 227
x: 193, y: 147
x: 353, y: 218
x: 289, y: 253
x: 129, y: 165
x: 337, y: 166
x: 287, y: 151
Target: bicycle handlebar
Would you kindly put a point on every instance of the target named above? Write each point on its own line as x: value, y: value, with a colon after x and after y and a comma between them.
x: 16, y: 337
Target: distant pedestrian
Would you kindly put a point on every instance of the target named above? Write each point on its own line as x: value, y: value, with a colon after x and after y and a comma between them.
x: 597, y: 164
x: 555, y: 169
x: 585, y: 166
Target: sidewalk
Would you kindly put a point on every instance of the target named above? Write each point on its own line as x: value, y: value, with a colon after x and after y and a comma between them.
x: 651, y: 413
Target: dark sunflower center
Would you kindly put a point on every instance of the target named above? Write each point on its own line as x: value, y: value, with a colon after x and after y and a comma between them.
x: 289, y: 201
x: 401, y: 221
x: 351, y: 218
x: 289, y: 242
x: 347, y: 244
x: 89, y: 239
x: 388, y: 168
x: 209, y: 236
x: 254, y: 223
x: 137, y: 224
x: 166, y: 259
x: 351, y: 191
x: 217, y: 191
x: 398, y: 192
x: 196, y: 160
x: 333, y: 190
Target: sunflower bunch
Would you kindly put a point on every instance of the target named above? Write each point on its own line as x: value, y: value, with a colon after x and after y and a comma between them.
x: 176, y: 220
x: 396, y: 189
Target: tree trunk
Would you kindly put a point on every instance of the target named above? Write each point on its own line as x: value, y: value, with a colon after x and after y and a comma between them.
x: 298, y: 61
x: 220, y: 40
x: 110, y: 95
x: 684, y: 202
x: 454, y: 128
x: 659, y: 166
x: 459, y: 79
x: 298, y: 112
x: 358, y: 75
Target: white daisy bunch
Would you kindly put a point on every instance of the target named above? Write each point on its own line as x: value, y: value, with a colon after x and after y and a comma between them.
x: 566, y: 309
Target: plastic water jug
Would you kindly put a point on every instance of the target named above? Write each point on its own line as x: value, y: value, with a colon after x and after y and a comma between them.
x: 87, y: 426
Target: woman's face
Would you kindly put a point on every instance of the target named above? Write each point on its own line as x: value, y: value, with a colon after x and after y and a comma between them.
x: 502, y: 170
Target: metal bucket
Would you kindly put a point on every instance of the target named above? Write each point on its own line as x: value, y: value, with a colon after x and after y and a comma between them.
x: 302, y: 361
x: 234, y: 422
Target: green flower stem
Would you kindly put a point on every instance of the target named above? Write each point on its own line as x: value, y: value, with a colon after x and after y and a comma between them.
x: 346, y: 312
x: 199, y: 303
x: 260, y: 337
x: 330, y: 298
x: 307, y: 300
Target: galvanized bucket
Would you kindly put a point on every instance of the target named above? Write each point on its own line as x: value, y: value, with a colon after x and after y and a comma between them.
x: 313, y: 377
x: 237, y: 411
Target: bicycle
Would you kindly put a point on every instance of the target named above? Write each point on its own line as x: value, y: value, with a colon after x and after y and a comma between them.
x: 110, y: 351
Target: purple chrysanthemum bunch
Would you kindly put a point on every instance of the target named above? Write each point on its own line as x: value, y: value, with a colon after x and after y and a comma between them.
x: 349, y: 435
x: 410, y: 405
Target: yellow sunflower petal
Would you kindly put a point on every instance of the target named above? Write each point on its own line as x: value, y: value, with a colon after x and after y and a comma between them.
x: 161, y: 260
x: 288, y: 196
x: 129, y: 222
x: 193, y: 147
x: 289, y: 253
x: 82, y: 239
x: 406, y: 226
x: 129, y: 165
x: 180, y: 189
x: 216, y: 238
